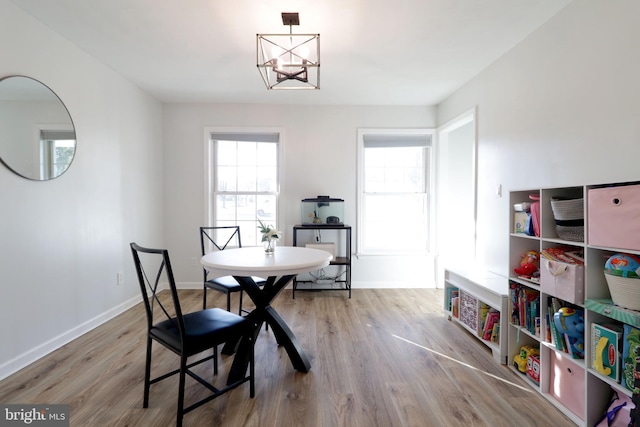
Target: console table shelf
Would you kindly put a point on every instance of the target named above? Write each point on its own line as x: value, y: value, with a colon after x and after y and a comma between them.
x: 304, y: 235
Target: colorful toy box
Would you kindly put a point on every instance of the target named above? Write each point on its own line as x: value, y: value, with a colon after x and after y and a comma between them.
x: 606, y: 357
x: 631, y: 341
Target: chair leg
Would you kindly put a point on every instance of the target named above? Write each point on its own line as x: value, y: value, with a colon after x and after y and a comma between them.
x: 215, y: 360
x: 252, y: 384
x: 240, y: 304
x: 183, y: 370
x: 228, y: 301
x: 147, y: 375
x: 204, y: 298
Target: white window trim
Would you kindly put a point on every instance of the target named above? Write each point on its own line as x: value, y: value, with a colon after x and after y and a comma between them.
x: 360, y: 195
x: 209, y: 162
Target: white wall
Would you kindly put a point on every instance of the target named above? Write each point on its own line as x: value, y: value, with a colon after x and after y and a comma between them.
x: 559, y: 109
x: 63, y: 241
x: 319, y: 159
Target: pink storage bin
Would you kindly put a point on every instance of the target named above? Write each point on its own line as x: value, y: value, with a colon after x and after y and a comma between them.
x: 566, y: 383
x: 613, y: 217
x: 562, y: 280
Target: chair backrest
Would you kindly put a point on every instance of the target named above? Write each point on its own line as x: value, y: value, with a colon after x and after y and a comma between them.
x: 153, y: 266
x: 218, y: 239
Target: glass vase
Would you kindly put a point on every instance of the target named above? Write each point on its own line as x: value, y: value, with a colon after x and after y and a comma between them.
x: 269, y: 246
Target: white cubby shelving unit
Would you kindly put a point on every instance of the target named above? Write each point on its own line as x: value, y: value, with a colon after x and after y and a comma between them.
x: 586, y: 392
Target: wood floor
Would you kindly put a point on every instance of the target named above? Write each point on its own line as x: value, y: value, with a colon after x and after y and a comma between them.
x: 382, y: 358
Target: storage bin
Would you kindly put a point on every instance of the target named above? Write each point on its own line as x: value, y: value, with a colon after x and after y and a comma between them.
x: 469, y: 310
x: 566, y: 383
x: 613, y: 217
x: 562, y: 280
x: 625, y: 291
x: 569, y: 217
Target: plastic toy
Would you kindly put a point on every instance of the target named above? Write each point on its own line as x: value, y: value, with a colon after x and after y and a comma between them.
x: 529, y: 265
x: 533, y: 367
x: 570, y: 322
x: 625, y: 265
x: 520, y: 360
x: 598, y: 363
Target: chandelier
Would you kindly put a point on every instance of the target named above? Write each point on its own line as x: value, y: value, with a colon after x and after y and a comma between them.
x: 289, y: 61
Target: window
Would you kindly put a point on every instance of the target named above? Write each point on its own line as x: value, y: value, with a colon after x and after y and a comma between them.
x: 57, y: 148
x: 393, y: 191
x: 244, y: 181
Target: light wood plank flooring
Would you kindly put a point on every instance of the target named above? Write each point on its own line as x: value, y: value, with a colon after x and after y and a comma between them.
x: 383, y: 358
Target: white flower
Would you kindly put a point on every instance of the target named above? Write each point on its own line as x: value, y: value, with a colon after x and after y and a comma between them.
x: 273, y: 234
x: 268, y: 232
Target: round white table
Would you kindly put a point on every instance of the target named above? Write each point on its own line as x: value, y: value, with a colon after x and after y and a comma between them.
x: 280, y: 267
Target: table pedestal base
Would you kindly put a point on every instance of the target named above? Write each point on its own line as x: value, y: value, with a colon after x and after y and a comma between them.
x: 265, y: 313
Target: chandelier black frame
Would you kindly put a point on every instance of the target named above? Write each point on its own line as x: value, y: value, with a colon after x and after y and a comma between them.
x: 289, y: 61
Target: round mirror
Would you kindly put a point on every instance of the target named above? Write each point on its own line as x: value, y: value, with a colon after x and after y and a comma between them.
x: 37, y: 136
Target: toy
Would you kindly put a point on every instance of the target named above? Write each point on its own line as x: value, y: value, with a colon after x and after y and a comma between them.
x: 520, y: 360
x: 625, y: 265
x: 570, y: 323
x: 533, y: 367
x: 529, y: 265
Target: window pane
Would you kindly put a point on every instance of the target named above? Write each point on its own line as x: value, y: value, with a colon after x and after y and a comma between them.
x: 267, y: 178
x: 225, y: 208
x: 63, y: 154
x: 226, y: 179
x: 246, y: 207
x: 394, y: 169
x: 266, y: 207
x: 246, y: 178
x: 267, y: 154
x: 395, y: 222
x: 226, y: 153
x: 247, y: 153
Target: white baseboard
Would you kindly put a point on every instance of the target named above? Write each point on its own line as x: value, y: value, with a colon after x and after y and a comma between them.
x: 391, y: 285
x: 14, y: 365
x: 354, y: 285
x: 186, y: 285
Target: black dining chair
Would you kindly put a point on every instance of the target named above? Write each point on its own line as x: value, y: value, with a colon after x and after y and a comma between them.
x: 219, y: 239
x: 187, y: 334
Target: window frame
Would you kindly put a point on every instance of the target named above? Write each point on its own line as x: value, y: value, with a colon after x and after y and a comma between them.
x: 429, y: 187
x: 210, y: 172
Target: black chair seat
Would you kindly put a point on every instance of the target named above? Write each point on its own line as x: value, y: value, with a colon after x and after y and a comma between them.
x: 223, y: 284
x: 229, y: 284
x: 202, y: 329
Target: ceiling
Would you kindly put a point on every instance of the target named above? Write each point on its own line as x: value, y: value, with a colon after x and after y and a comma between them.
x: 383, y: 52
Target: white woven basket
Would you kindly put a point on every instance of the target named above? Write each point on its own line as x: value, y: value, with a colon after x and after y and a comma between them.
x: 625, y: 291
